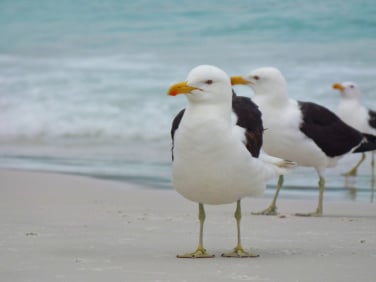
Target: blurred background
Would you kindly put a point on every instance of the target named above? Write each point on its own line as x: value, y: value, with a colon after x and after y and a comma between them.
x: 83, y: 83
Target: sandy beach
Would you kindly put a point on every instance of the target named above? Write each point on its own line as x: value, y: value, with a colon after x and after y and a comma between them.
x: 71, y: 228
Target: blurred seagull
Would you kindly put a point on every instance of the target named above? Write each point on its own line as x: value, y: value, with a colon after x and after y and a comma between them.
x: 304, y: 132
x: 351, y: 111
x: 216, y: 148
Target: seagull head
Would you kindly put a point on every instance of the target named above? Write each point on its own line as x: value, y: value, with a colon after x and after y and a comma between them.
x: 263, y: 81
x: 348, y: 90
x: 204, y: 84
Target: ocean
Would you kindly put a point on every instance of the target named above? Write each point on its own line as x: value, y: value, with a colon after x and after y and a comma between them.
x: 83, y: 83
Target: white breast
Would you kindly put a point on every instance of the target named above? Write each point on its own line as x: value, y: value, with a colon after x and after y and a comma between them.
x: 212, y: 165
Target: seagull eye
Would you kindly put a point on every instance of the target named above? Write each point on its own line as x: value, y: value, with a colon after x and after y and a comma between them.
x: 351, y: 86
x: 209, y: 81
x: 256, y: 77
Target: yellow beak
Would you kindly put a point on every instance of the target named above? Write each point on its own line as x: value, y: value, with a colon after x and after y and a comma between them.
x: 180, y: 88
x: 239, y: 80
x: 338, y: 86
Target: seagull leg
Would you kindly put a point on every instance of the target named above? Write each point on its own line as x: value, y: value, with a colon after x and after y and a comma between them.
x: 373, y: 176
x: 373, y: 168
x: 272, y: 209
x: 319, y: 209
x: 200, y: 251
x: 354, y: 170
x: 238, y: 251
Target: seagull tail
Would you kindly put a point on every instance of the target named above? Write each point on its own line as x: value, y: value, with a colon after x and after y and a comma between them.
x: 368, y: 144
x: 280, y: 166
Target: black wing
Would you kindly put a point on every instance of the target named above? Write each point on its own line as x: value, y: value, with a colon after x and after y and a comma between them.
x: 328, y: 131
x: 174, y: 126
x: 249, y: 118
x: 372, y: 118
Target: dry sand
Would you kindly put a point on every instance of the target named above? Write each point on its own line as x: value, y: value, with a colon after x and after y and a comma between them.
x: 71, y: 228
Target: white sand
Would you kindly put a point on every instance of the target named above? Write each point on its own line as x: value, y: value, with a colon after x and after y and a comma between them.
x: 69, y: 228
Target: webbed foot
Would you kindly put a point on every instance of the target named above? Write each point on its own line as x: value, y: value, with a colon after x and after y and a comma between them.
x: 271, y: 210
x: 316, y: 213
x: 199, y: 253
x: 239, y: 252
x: 351, y: 172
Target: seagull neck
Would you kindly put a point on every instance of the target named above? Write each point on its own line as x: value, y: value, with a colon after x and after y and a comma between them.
x: 349, y: 105
x: 353, y: 101
x: 279, y: 99
x: 218, y: 111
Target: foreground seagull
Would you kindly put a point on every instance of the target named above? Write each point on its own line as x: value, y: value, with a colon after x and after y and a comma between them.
x: 304, y: 132
x: 351, y: 111
x: 216, y: 148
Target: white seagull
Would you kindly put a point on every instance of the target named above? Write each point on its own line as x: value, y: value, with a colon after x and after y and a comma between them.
x: 304, y: 132
x: 216, y: 148
x: 351, y: 111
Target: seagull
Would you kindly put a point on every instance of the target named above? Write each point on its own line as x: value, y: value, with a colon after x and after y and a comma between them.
x: 216, y: 149
x: 303, y: 132
x: 351, y: 111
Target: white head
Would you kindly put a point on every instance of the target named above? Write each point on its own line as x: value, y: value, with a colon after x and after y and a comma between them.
x: 264, y: 81
x: 348, y: 90
x: 204, y: 84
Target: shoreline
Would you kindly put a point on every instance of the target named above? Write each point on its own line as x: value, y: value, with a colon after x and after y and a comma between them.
x: 347, y: 191
x: 58, y: 227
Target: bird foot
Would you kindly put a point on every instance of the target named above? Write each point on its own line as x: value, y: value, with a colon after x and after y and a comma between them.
x: 351, y: 172
x: 239, y: 252
x: 271, y: 210
x: 316, y: 213
x: 199, y: 253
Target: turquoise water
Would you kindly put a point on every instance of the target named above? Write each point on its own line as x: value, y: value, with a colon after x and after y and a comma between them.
x: 83, y: 83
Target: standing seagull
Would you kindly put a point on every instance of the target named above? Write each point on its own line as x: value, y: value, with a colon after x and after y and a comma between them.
x: 351, y: 111
x: 304, y: 132
x: 215, y: 154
